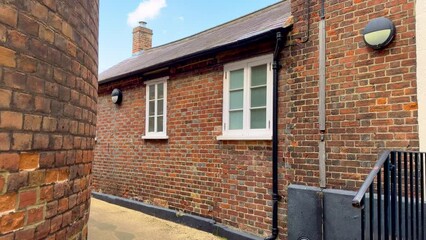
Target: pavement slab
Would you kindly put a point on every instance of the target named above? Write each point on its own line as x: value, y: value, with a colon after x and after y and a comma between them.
x: 111, y: 222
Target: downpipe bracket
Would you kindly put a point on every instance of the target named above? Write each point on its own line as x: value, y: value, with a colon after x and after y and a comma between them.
x: 276, y: 65
x: 276, y: 197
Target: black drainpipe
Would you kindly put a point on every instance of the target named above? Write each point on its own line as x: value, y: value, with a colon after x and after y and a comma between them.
x: 275, y: 197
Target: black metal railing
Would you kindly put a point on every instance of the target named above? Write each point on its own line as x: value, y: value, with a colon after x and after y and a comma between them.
x: 392, y: 198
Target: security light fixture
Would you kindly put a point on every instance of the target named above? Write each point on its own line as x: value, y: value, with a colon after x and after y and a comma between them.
x: 379, y: 33
x: 116, y: 96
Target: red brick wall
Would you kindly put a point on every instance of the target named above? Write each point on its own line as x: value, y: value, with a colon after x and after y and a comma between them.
x: 371, y: 95
x: 48, y: 94
x: 191, y: 171
x: 370, y: 105
x: 371, y: 101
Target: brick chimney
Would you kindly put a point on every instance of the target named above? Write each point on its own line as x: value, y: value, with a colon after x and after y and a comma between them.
x: 142, y: 38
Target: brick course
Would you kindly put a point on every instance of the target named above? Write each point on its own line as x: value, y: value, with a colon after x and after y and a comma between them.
x: 48, y: 50
x: 371, y: 105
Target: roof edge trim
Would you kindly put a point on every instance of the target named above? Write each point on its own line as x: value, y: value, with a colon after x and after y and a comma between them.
x: 197, y: 54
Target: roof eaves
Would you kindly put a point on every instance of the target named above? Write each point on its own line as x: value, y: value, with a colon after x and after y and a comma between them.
x: 193, y: 55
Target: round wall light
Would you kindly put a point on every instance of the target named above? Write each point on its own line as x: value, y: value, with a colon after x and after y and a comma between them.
x: 379, y: 33
x: 116, y: 96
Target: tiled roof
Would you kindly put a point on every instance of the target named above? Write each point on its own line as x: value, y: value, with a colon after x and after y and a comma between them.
x: 270, y: 18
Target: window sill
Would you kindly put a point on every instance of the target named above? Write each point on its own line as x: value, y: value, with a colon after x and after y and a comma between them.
x: 155, y: 137
x: 260, y: 137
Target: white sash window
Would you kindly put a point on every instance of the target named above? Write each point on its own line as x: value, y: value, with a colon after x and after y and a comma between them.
x: 247, y: 100
x: 156, y: 109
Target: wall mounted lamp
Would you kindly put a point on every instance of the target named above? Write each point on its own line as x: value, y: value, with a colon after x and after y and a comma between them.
x: 379, y: 33
x: 116, y: 96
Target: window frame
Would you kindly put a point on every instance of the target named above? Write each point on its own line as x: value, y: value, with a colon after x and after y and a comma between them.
x: 246, y: 133
x: 156, y: 135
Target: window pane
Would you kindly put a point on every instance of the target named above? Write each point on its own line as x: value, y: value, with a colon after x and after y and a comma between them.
x: 151, y: 108
x: 258, y: 97
x: 151, y: 92
x: 151, y: 124
x: 258, y: 118
x: 258, y: 75
x: 236, y: 79
x: 236, y: 99
x: 236, y: 120
x: 160, y: 88
x: 160, y: 105
x: 159, y: 123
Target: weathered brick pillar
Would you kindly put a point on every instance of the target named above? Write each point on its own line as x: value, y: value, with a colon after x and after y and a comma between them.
x: 48, y: 94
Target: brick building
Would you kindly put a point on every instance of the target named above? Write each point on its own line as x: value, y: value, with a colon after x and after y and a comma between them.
x: 195, y: 130
x: 48, y: 95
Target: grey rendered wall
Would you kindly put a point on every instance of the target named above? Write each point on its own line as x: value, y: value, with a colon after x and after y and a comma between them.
x: 341, y: 220
x: 338, y: 221
x: 304, y: 212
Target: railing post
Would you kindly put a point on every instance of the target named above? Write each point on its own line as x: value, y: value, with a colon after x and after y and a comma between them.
x: 362, y: 219
x: 416, y: 159
x: 379, y: 204
x: 422, y: 176
x: 386, y: 197
x: 411, y: 195
x: 393, y: 195
x: 371, y: 212
x: 406, y: 194
x: 399, y: 195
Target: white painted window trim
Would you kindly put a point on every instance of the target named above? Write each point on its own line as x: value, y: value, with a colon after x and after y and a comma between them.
x: 246, y: 133
x: 156, y: 135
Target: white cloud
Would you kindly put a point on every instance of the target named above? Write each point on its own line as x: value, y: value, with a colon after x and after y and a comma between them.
x: 181, y: 18
x: 147, y: 9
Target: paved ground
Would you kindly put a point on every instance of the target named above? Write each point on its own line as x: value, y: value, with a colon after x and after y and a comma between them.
x: 111, y: 222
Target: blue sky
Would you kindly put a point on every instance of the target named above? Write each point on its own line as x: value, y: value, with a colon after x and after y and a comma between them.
x: 170, y: 20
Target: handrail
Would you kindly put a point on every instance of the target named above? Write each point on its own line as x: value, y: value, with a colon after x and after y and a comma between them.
x: 394, y: 206
x: 356, y: 201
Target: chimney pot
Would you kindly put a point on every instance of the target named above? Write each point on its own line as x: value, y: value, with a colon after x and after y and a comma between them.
x: 142, y: 38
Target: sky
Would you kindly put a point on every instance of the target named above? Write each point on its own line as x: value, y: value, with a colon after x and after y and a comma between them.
x: 170, y: 20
